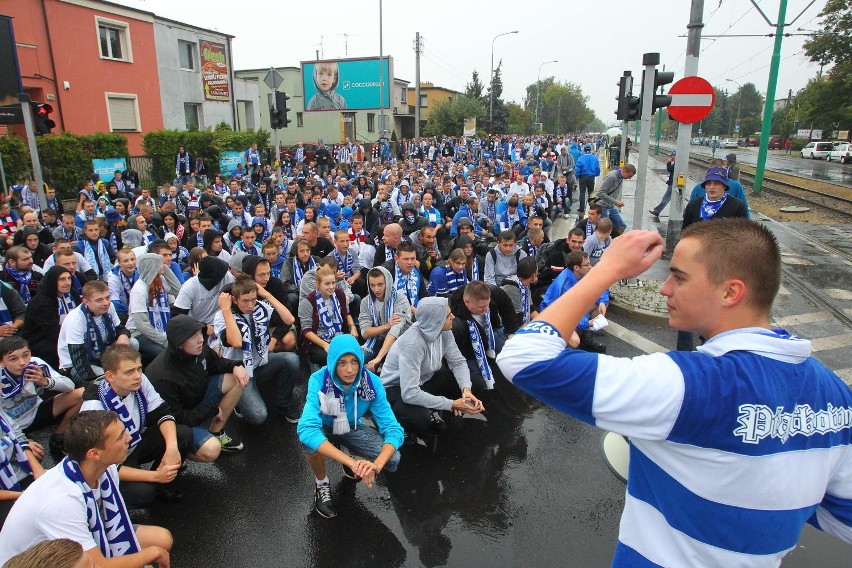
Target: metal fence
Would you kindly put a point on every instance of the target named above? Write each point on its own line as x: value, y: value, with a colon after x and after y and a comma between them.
x: 144, y: 166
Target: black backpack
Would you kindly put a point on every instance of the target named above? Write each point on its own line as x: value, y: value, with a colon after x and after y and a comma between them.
x: 542, y: 253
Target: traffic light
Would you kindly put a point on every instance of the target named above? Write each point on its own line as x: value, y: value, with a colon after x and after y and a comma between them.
x: 275, y: 118
x: 661, y: 78
x: 281, y: 104
x: 633, y: 108
x: 624, y: 85
x: 42, y: 123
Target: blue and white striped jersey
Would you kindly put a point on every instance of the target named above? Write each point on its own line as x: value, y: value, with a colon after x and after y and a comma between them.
x: 733, y: 448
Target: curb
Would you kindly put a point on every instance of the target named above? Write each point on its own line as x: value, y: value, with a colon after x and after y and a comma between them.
x: 628, y: 301
x: 638, y: 314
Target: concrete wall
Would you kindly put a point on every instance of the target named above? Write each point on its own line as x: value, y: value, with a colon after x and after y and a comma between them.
x: 179, y: 86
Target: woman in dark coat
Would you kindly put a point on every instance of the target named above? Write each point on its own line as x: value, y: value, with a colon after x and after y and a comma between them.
x: 45, y: 313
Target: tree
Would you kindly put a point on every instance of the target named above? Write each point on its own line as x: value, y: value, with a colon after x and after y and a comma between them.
x: 832, y: 44
x: 448, y: 116
x: 501, y: 113
x: 475, y: 87
x: 519, y: 119
x: 562, y: 107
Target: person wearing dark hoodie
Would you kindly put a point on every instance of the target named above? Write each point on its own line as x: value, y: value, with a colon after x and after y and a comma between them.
x: 30, y: 240
x: 419, y: 384
x: 201, y: 388
x: 338, y: 396
x: 45, y: 313
x: 199, y: 296
x: 294, y: 269
x: 411, y: 220
x: 283, y: 334
x: 149, y: 306
x: 385, y: 315
x: 214, y: 244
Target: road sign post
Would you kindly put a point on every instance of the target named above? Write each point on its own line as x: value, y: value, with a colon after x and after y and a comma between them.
x: 273, y: 80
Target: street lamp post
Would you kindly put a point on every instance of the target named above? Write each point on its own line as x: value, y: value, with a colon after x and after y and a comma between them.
x: 739, y: 100
x: 491, y: 84
x: 559, y: 111
x: 538, y: 86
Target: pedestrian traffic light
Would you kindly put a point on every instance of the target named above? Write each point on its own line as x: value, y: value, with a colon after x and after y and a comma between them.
x: 281, y: 103
x: 275, y: 118
x: 634, y: 108
x: 42, y: 123
x: 661, y: 78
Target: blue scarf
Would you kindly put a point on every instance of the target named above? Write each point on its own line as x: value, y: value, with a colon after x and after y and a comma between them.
x: 126, y: 284
x: 8, y: 475
x: 254, y: 331
x: 65, y: 304
x: 390, y: 302
x: 333, y: 404
x: 525, y: 298
x: 95, y: 343
x: 97, y: 256
x: 298, y: 271
x: 111, y: 401
x: 108, y: 520
x: 474, y: 269
x: 22, y: 277
x: 483, y: 351
x: 330, y: 318
x: 344, y: 264
x: 409, y: 284
x: 710, y: 208
x: 455, y: 280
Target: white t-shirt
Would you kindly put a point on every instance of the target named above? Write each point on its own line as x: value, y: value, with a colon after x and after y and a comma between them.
x: 152, y: 398
x: 22, y: 407
x: 201, y: 302
x: 52, y: 507
x: 73, y: 331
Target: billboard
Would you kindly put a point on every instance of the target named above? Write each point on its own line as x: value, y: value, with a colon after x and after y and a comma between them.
x: 351, y: 84
x: 229, y: 159
x: 105, y: 168
x: 215, y: 76
x: 10, y: 75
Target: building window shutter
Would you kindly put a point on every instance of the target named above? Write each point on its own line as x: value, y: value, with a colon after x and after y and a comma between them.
x: 122, y: 112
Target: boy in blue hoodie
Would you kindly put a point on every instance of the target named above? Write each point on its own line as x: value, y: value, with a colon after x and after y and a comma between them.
x: 338, y: 395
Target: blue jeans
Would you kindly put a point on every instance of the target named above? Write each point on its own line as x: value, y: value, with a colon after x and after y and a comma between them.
x: 364, y: 442
x: 615, y: 215
x: 667, y: 196
x: 214, y: 394
x: 283, y: 367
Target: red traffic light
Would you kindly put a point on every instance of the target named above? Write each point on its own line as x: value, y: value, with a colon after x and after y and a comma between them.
x: 44, y: 109
x: 41, y: 118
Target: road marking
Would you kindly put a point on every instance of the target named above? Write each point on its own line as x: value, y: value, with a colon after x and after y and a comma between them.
x: 845, y: 375
x: 831, y: 342
x: 802, y: 319
x: 634, y: 339
x: 839, y: 293
x: 782, y: 291
x: 796, y: 260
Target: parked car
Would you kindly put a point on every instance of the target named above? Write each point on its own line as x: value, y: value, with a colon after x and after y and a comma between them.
x: 842, y: 152
x: 310, y: 150
x: 695, y: 141
x: 729, y: 143
x: 776, y: 143
x: 816, y: 150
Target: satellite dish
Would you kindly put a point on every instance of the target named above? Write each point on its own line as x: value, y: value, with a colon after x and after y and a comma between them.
x: 616, y: 454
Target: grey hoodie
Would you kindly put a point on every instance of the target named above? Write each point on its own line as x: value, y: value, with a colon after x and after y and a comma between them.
x: 401, y: 307
x: 417, y: 355
x: 149, y: 265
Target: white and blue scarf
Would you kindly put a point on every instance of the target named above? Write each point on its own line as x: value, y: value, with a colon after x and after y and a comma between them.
x: 710, y: 208
x: 525, y: 298
x: 330, y: 319
x: 108, y: 519
x: 12, y: 386
x: 483, y: 351
x: 95, y: 342
x: 333, y: 404
x: 158, y: 312
x: 97, y: 256
x: 8, y: 475
x: 474, y: 269
x: 111, y: 401
x: 254, y: 330
x: 126, y: 284
x: 298, y: 271
x: 22, y: 277
x: 410, y: 284
x: 390, y: 303
x: 65, y: 304
x: 344, y: 264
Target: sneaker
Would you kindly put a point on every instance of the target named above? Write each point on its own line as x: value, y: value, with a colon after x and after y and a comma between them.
x: 229, y: 444
x: 237, y: 412
x: 436, y: 423
x: 654, y: 214
x: 349, y: 474
x: 290, y: 416
x: 322, y: 502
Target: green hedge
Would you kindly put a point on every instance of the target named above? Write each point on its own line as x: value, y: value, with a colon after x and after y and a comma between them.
x: 205, y: 144
x: 66, y: 159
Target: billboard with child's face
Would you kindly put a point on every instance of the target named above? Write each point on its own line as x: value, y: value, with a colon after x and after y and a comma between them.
x: 347, y: 84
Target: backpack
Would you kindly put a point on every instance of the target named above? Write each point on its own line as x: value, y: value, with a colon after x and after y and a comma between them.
x: 542, y: 253
x: 493, y: 253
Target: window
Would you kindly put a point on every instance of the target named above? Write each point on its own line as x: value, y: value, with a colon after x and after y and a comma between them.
x: 192, y: 112
x: 403, y: 95
x: 188, y: 59
x: 371, y: 122
x: 114, y: 39
x: 122, y: 112
x: 300, y: 119
x: 424, y: 102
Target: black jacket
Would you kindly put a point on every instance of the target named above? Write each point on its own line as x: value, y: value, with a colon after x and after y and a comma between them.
x: 41, y: 324
x: 182, y: 379
x: 502, y: 315
x: 732, y: 207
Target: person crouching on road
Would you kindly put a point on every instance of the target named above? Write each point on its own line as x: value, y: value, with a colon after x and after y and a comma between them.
x: 338, y: 395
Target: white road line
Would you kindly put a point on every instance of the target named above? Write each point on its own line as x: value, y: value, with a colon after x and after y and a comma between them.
x: 802, y: 319
x: 634, y: 339
x: 839, y: 293
x: 831, y: 342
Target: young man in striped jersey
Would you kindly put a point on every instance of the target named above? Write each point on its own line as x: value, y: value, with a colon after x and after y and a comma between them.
x: 734, y: 447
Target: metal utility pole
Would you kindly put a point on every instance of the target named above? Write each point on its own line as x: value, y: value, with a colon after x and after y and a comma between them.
x: 491, y: 84
x: 684, y: 131
x: 659, y: 125
x: 417, y: 49
x: 650, y: 61
x: 381, y: 76
x: 27, y: 111
x: 622, y: 157
x: 538, y: 88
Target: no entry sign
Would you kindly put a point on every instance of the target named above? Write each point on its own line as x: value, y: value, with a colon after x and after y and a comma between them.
x: 692, y: 99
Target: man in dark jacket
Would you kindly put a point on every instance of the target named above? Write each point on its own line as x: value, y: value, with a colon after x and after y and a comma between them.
x: 199, y: 386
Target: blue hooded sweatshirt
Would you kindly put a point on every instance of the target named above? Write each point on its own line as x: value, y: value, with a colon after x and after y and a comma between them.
x: 312, y: 422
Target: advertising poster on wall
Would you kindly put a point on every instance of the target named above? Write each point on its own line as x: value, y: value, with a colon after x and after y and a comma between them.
x: 215, y: 75
x: 105, y: 168
x: 229, y: 159
x: 349, y: 84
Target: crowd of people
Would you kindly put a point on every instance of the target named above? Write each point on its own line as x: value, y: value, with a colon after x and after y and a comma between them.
x: 136, y: 326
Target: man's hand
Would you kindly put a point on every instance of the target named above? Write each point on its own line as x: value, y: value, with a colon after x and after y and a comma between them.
x: 211, y: 331
x: 467, y: 404
x: 262, y: 293
x: 631, y: 254
x: 602, y: 308
x: 34, y: 374
x: 162, y: 558
x: 366, y: 470
x: 619, y: 204
x: 37, y: 449
x: 7, y: 330
x: 166, y: 473
x: 394, y: 320
x: 225, y: 302
x: 171, y: 457
x: 241, y: 376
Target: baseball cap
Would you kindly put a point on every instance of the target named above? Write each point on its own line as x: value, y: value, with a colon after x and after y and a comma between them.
x: 716, y: 174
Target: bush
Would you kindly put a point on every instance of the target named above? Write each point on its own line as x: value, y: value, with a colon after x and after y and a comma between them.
x: 16, y: 158
x: 799, y: 143
x: 205, y: 144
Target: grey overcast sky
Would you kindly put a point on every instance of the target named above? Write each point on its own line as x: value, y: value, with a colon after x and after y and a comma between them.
x: 593, y: 40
